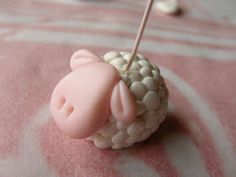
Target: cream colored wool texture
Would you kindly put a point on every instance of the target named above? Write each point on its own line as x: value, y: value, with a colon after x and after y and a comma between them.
x: 149, y: 89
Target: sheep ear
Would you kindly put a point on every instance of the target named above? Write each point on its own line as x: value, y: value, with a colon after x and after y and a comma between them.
x: 122, y: 103
x: 83, y: 57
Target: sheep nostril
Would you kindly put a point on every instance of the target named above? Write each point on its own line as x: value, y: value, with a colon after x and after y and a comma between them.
x: 67, y: 111
x: 70, y: 109
x: 61, y: 102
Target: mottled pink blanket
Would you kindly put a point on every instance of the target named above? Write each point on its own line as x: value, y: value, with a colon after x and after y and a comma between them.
x: 197, y: 56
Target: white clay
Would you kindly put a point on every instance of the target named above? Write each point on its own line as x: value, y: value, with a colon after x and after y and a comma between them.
x: 151, y: 100
x: 135, y: 66
x: 121, y: 125
x: 167, y: 6
x: 140, y: 108
x: 146, y: 71
x: 136, y: 128
x: 108, y: 130
x: 102, y: 142
x: 111, y: 55
x: 144, y: 63
x: 150, y: 83
x: 150, y: 118
x: 119, y: 137
x: 138, y: 89
x: 148, y: 87
x: 155, y: 75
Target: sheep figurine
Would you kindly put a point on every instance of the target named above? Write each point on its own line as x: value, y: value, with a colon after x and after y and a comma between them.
x: 102, y: 102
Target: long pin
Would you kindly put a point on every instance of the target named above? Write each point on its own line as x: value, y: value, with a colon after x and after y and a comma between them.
x: 140, y: 33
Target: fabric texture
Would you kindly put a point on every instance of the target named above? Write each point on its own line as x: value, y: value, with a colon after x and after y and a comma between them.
x: 196, y: 52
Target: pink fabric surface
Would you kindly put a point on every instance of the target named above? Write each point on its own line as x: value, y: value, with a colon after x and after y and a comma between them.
x: 197, y: 56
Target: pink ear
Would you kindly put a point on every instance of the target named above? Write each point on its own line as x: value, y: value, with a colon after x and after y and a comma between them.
x: 122, y: 103
x: 82, y: 57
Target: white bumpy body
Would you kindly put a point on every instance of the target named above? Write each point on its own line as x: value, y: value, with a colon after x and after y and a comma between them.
x: 149, y: 89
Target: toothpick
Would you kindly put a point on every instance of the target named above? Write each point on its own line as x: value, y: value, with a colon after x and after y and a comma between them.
x: 140, y: 33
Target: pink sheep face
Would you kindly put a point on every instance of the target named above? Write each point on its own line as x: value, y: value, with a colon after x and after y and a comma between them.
x: 84, y: 99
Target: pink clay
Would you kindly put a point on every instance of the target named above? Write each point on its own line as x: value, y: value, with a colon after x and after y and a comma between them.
x: 84, y: 99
